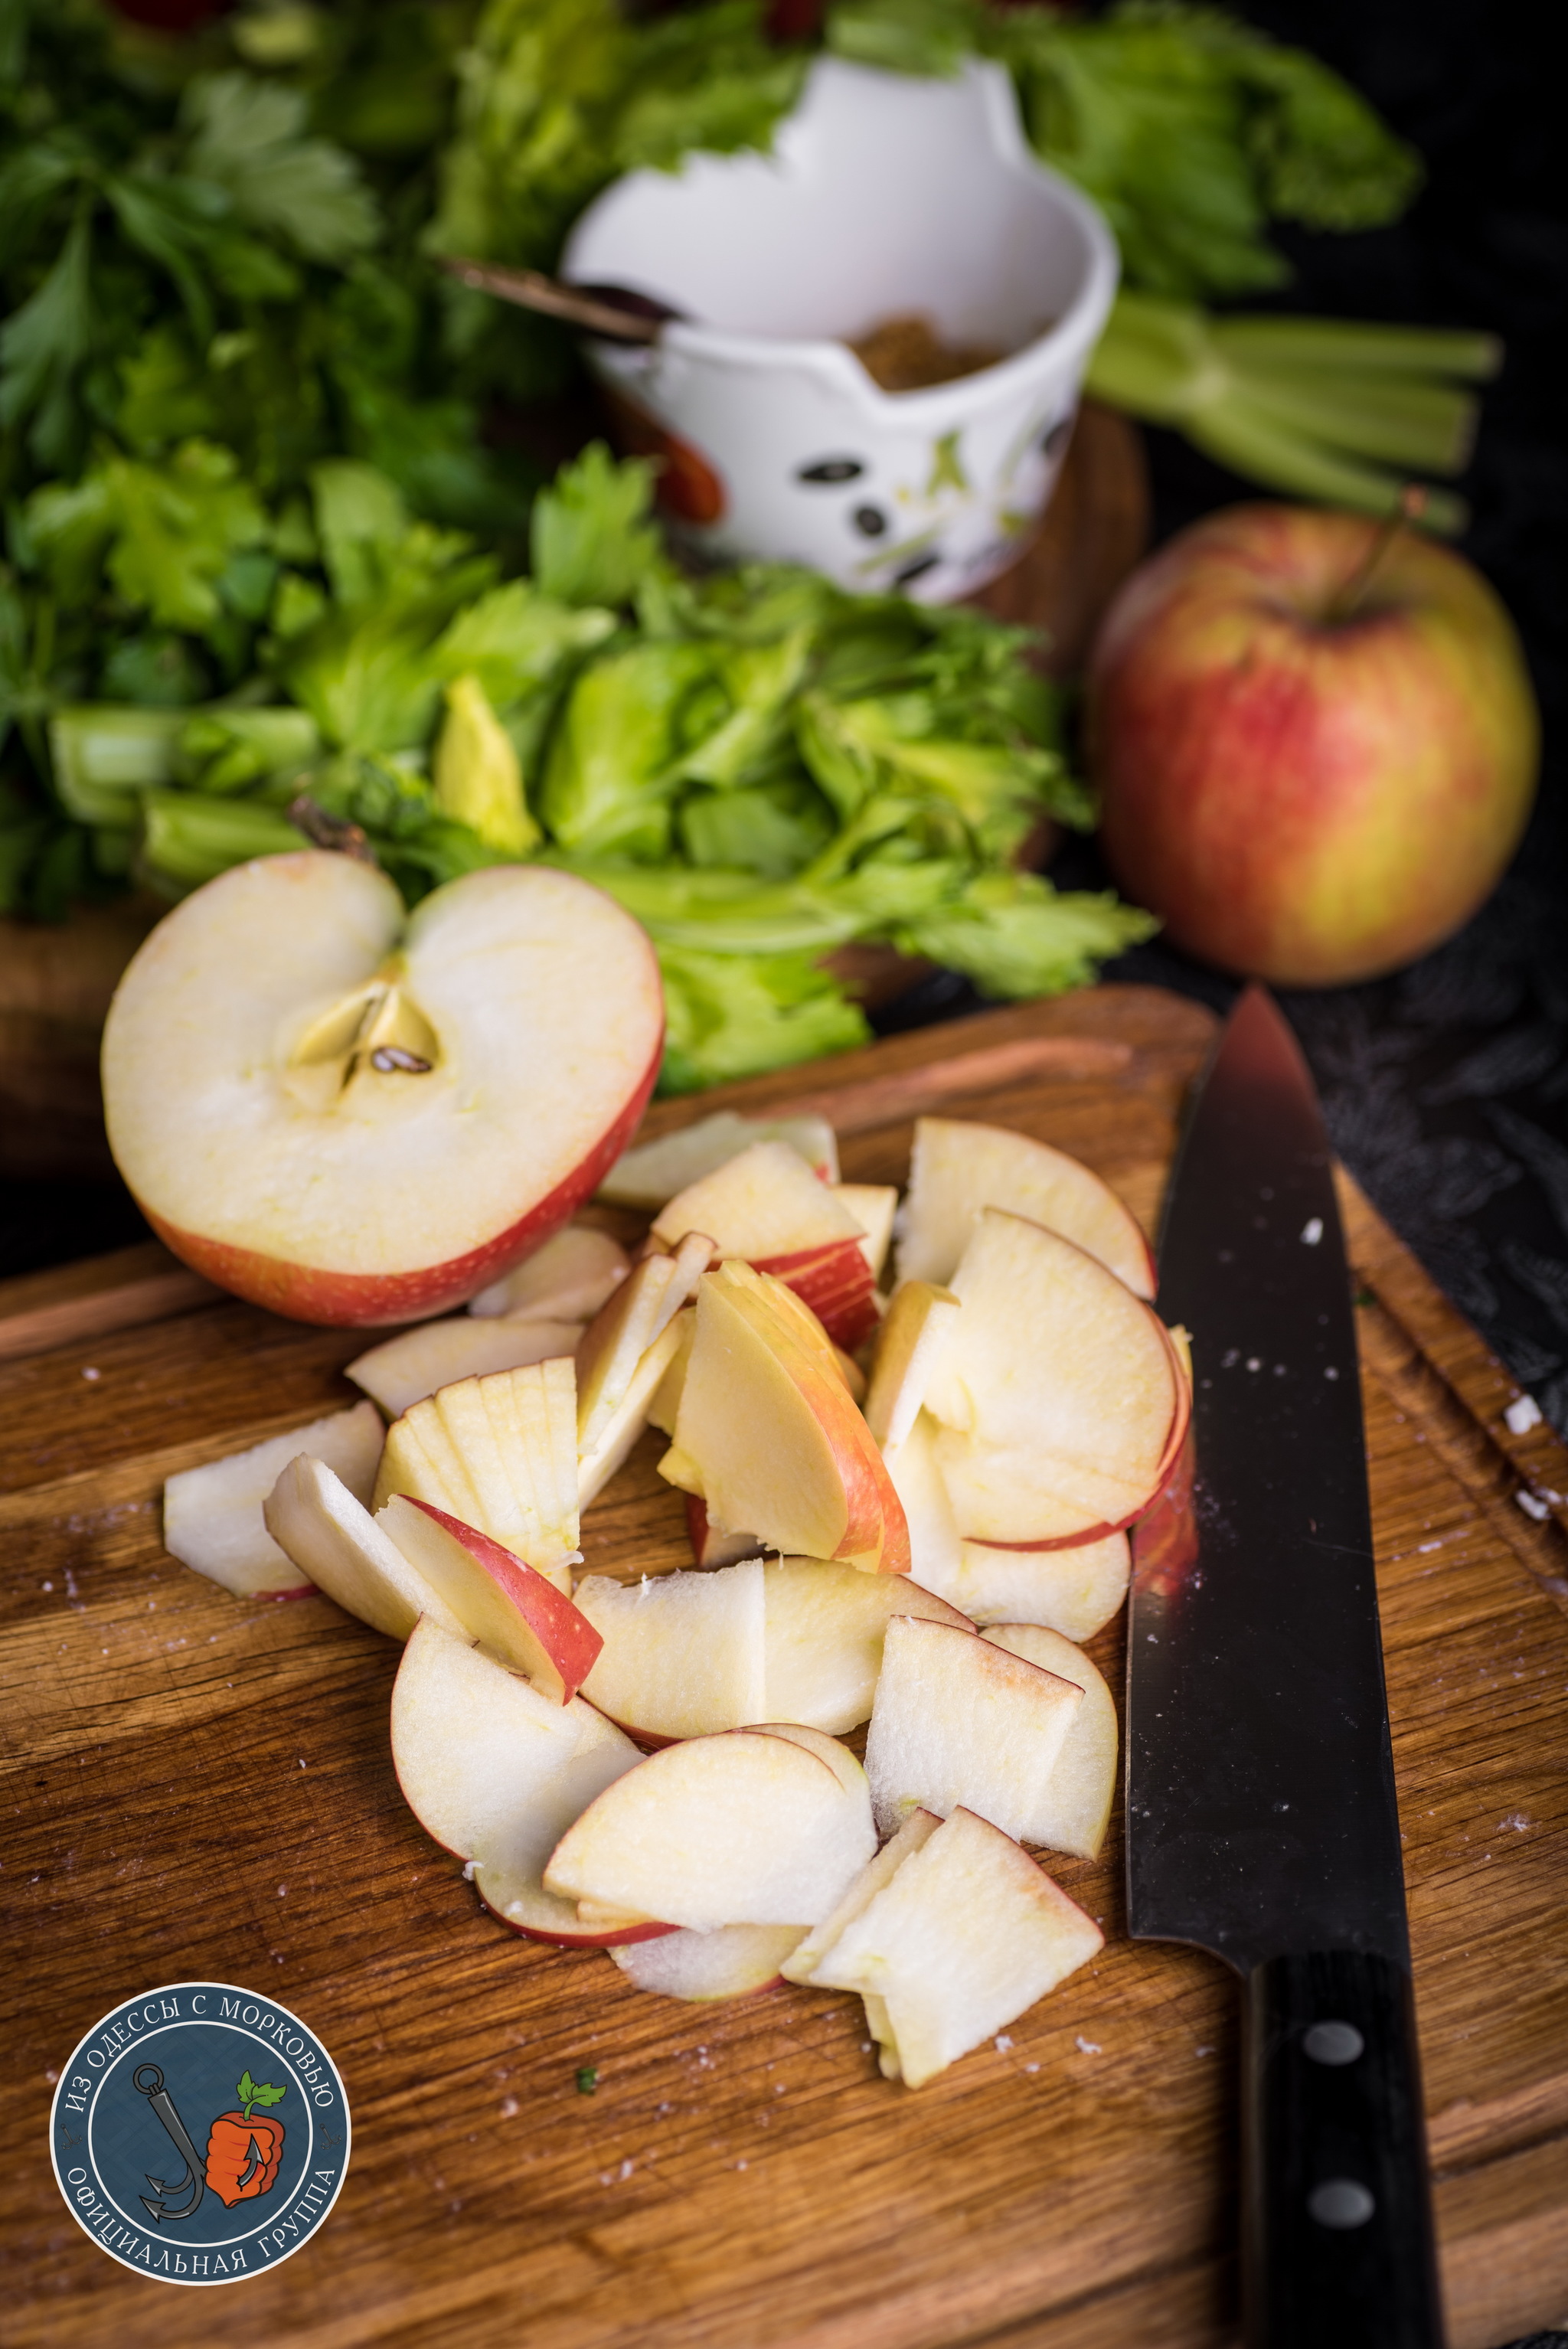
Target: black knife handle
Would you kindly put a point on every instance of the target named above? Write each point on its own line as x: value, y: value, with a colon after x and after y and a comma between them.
x: 1337, y: 2222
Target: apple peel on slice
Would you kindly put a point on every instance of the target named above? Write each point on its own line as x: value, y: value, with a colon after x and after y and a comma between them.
x: 732, y: 1961
x: 214, y: 1517
x: 496, y: 1598
x: 747, y: 1828
x: 1078, y: 1796
x: 960, y: 1723
x: 435, y: 1355
x: 655, y: 1171
x: 963, y: 1937
x: 683, y: 1654
x: 312, y: 1515
x: 570, y: 1279
x: 957, y: 1168
x: 358, y: 1115
x: 766, y: 1208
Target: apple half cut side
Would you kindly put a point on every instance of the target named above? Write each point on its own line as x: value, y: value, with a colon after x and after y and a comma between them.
x: 576, y: 1272
x: 1078, y: 1795
x: 733, y: 1961
x: 768, y: 1437
x: 435, y: 1355
x: 654, y: 1173
x: 964, y: 1938
x: 312, y: 1515
x: 362, y: 1116
x: 683, y: 1654
x: 497, y: 1598
x: 957, y: 1168
x: 499, y: 1452
x: 748, y: 1829
x: 1074, y: 1589
x: 494, y: 1772
x: 960, y: 1723
x: 214, y: 1517
x: 1057, y: 1389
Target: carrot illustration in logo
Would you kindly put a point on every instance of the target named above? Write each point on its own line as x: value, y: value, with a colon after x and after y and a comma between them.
x: 242, y: 2152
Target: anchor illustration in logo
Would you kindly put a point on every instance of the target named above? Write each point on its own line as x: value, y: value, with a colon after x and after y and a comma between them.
x: 242, y: 2152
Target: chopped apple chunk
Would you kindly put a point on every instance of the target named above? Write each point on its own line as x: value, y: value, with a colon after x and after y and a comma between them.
x: 617, y: 1340
x: 959, y: 1723
x: 683, y: 1653
x: 630, y: 1417
x: 653, y: 1173
x: 767, y: 1209
x: 733, y: 1961
x: 934, y: 1546
x: 499, y: 1452
x: 873, y: 1206
x: 747, y: 1828
x: 213, y: 1516
x: 435, y: 1355
x: 768, y: 1437
x: 824, y: 1630
x: 957, y: 1168
x: 1074, y: 1590
x: 963, y: 1937
x: 1078, y: 1797
x: 576, y: 1272
x: 877, y: 1874
x: 909, y: 1348
x: 1057, y: 1391
x: 312, y: 1515
x: 496, y: 1598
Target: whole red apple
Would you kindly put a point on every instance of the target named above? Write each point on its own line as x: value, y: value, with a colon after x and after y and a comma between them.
x: 1311, y: 770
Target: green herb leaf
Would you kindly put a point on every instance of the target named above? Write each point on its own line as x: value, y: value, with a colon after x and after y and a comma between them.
x: 248, y: 138
x: 592, y: 539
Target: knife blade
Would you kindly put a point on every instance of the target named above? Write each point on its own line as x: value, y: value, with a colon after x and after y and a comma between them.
x: 1261, y: 1819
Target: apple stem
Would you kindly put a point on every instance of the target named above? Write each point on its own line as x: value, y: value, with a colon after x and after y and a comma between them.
x: 1346, y: 600
x: 334, y: 832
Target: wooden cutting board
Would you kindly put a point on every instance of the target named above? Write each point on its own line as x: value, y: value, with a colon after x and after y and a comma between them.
x: 200, y: 1787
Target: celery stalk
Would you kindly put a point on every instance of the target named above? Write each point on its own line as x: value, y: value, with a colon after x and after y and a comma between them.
x: 188, y: 839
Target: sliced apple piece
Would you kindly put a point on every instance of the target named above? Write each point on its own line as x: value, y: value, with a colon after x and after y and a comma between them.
x: 575, y: 1273
x: 919, y: 1320
x: 515, y: 1896
x: 619, y: 1336
x: 959, y: 1723
x: 667, y: 1397
x: 213, y: 1516
x: 710, y: 1546
x: 823, y: 1632
x: 873, y: 1206
x: 496, y: 1772
x: 742, y: 1829
x: 499, y: 1452
x: 935, y: 1544
x: 656, y: 1172
x: 769, y: 1439
x: 877, y: 1874
x: 734, y: 1962
x: 315, y: 1518
x: 359, y: 1115
x: 1078, y: 1797
x: 619, y: 1432
x: 435, y: 1354
x: 965, y: 1938
x: 768, y: 1209
x: 1074, y: 1590
x: 1057, y: 1389
x: 957, y: 1168
x: 497, y: 1598
x: 683, y: 1653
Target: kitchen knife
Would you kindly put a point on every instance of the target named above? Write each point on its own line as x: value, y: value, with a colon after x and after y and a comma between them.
x: 1261, y: 1814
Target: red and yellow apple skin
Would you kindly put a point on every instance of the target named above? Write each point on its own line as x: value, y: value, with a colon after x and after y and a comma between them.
x: 356, y: 1300
x: 1302, y: 797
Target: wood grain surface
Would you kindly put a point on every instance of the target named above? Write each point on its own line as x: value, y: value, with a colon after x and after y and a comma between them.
x: 200, y: 1787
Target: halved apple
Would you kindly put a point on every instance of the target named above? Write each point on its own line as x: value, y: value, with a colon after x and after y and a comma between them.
x: 919, y: 1320
x: 1074, y: 1590
x: 434, y: 1354
x: 956, y: 1168
x: 655, y: 1171
x: 496, y: 1598
x: 961, y: 1724
x: 732, y: 1961
x: 576, y: 1271
x: 619, y: 1336
x: 683, y: 1653
x: 768, y: 1209
x: 823, y: 1628
x: 213, y: 1516
x: 873, y: 1206
x: 496, y: 1772
x: 962, y: 1939
x: 1078, y: 1796
x: 768, y: 1438
x: 1057, y: 1391
x: 499, y: 1452
x: 315, y: 1518
x: 357, y: 1115
x: 743, y: 1829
